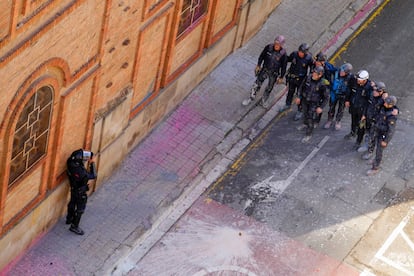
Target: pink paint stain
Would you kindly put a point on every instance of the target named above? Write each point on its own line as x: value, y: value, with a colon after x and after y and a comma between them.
x: 175, y: 141
x: 10, y: 266
x: 28, y: 263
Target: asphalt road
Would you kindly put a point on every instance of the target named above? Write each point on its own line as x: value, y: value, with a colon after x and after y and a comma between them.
x: 289, y: 208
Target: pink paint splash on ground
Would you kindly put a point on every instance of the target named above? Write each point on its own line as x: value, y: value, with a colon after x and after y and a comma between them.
x: 180, y: 144
x: 38, y: 265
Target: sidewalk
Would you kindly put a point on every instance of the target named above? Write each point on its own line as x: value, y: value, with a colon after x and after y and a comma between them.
x: 187, y: 152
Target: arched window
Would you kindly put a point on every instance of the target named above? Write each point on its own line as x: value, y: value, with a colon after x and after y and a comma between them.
x: 32, y: 132
x: 192, y: 10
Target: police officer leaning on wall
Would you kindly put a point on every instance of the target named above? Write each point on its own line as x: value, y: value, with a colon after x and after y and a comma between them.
x: 78, y: 178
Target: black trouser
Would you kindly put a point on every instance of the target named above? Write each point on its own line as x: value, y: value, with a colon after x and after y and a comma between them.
x: 356, y: 115
x: 76, y: 206
x: 371, y: 135
x: 340, y: 101
x: 293, y: 85
x: 318, y: 118
x: 379, y: 137
x: 261, y: 77
x: 310, y: 115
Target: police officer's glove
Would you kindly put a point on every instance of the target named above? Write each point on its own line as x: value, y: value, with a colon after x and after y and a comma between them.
x: 257, y: 70
x: 362, y: 124
x: 83, y: 189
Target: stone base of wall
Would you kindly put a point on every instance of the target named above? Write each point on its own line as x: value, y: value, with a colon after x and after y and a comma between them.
x: 34, y: 225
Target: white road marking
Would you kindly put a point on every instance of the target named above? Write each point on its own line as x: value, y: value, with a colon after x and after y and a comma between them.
x: 280, y: 186
x: 399, y: 230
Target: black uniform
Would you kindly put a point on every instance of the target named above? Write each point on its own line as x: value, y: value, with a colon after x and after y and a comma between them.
x: 78, y: 177
x: 374, y: 107
x: 359, y: 99
x: 313, y: 94
x: 273, y: 65
x: 328, y: 74
x: 298, y: 70
x: 385, y: 124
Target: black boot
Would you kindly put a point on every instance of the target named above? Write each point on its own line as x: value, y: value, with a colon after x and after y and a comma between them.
x: 350, y: 135
x: 76, y: 229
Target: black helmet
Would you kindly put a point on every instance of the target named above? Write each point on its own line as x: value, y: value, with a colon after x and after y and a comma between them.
x: 319, y: 69
x: 346, y: 67
x: 321, y: 57
x: 380, y: 86
x: 304, y: 47
x: 280, y: 39
x: 81, y: 155
x: 391, y: 100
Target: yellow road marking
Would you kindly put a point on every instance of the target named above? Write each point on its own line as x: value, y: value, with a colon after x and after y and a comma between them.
x: 358, y: 31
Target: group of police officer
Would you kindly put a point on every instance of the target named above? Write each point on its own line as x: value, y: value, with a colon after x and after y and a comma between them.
x: 315, y: 83
x: 373, y: 111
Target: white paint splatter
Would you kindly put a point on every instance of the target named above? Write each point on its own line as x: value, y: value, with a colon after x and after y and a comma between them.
x: 200, y: 248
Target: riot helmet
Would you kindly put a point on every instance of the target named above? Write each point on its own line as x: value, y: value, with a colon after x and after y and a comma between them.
x: 380, y: 86
x: 363, y: 75
x: 280, y: 39
x: 319, y: 70
x: 304, y: 48
x: 81, y: 155
x: 321, y: 57
x: 391, y: 101
x: 346, y: 68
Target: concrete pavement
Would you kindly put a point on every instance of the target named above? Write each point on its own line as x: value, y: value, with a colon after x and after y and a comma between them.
x: 188, y: 151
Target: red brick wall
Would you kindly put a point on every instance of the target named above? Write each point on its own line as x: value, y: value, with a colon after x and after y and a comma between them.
x: 48, y: 50
x: 116, y: 67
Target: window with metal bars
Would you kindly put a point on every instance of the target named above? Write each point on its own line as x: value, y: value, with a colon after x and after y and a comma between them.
x: 191, y: 12
x: 32, y: 132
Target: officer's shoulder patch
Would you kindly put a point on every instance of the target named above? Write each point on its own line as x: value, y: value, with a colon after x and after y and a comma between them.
x: 325, y: 81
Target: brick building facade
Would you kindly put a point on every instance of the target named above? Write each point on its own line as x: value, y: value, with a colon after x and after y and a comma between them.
x: 97, y: 75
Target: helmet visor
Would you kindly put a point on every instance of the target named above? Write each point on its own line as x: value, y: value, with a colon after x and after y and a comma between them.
x: 86, y: 155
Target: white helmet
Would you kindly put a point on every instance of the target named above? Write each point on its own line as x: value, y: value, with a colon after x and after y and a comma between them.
x: 363, y: 75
